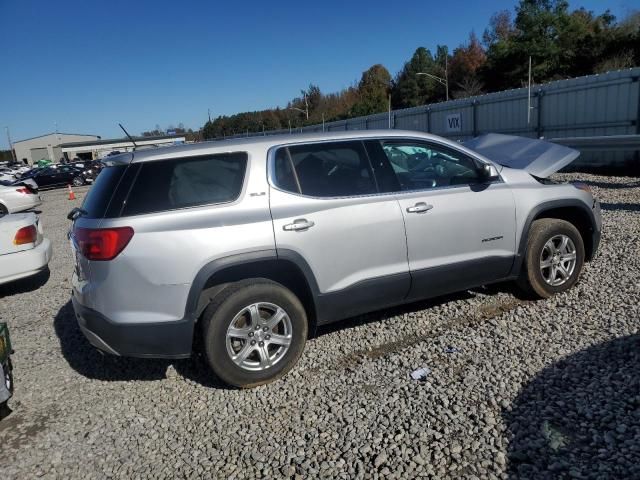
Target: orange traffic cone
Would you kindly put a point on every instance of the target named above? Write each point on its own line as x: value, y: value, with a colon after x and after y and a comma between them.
x: 72, y: 196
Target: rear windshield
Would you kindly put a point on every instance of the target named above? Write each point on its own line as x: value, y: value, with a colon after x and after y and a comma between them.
x: 97, y: 199
x: 186, y: 182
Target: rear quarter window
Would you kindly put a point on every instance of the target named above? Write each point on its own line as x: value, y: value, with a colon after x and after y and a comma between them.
x: 99, y: 196
x: 186, y: 182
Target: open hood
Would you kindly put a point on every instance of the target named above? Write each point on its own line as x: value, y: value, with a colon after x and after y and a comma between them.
x: 537, y: 157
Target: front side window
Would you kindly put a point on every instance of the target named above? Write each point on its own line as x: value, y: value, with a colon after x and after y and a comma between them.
x: 335, y: 169
x: 420, y: 165
x: 186, y: 182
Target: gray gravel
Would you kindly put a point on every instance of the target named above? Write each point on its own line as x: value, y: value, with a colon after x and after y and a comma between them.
x: 546, y: 389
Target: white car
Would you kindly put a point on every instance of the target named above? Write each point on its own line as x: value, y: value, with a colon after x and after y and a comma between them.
x: 19, y: 197
x: 7, y: 175
x: 24, y: 251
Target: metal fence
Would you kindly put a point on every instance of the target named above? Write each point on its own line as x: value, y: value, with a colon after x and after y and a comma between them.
x: 601, y: 106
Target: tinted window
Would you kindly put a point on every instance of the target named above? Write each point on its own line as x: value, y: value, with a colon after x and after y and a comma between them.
x: 99, y: 195
x: 186, y: 182
x: 325, y: 170
x: 420, y: 165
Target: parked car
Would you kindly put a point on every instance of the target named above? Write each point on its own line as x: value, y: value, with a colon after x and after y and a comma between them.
x: 90, y: 172
x: 18, y: 196
x: 24, y: 251
x: 55, y: 176
x: 6, y: 368
x: 250, y: 244
x: 7, y: 175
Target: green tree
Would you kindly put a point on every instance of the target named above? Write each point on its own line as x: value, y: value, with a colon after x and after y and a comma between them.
x: 373, y: 91
x: 411, y: 89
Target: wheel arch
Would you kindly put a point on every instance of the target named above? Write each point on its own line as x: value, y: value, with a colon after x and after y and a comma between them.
x: 287, y: 269
x: 573, y: 211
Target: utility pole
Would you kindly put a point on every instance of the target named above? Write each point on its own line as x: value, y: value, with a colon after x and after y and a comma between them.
x: 446, y: 73
x: 529, y: 94
x: 323, y: 122
x: 389, y: 110
x: 13, y: 154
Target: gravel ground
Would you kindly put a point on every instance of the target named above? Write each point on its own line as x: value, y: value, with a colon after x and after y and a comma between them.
x: 547, y: 389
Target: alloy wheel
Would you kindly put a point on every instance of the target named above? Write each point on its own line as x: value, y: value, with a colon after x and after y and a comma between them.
x: 558, y: 260
x: 259, y: 336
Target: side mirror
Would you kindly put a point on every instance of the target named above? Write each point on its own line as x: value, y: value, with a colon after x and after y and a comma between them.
x: 487, y: 172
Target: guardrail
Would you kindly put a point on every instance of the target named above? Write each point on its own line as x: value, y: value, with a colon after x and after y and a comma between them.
x: 609, y: 143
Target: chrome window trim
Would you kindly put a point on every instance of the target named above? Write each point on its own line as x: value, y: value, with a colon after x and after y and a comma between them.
x: 271, y: 155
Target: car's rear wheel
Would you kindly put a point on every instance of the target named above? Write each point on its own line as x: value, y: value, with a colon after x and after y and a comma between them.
x: 254, y: 332
x: 553, y: 259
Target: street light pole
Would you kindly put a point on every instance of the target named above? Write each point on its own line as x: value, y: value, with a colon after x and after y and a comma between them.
x: 442, y: 81
x: 13, y: 154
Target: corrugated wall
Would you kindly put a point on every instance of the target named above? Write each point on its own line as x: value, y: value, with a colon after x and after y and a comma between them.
x: 604, y: 104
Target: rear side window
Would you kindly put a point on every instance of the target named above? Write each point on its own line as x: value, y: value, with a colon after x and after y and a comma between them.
x: 186, y: 182
x: 335, y: 169
x: 97, y: 200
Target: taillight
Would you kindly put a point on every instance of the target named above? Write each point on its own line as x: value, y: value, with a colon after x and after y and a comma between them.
x: 26, y: 191
x: 102, y: 243
x: 26, y: 235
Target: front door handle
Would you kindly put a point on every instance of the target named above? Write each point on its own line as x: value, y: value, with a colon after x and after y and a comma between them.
x: 299, y: 224
x: 419, y: 207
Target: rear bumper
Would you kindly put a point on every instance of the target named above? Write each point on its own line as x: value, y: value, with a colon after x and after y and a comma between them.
x: 14, y: 266
x: 155, y: 340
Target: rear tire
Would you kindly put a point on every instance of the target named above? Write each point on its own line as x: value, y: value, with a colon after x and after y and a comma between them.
x: 254, y: 332
x: 553, y: 259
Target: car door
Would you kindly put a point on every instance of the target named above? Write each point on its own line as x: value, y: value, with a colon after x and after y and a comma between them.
x: 46, y: 177
x: 460, y: 227
x: 328, y: 215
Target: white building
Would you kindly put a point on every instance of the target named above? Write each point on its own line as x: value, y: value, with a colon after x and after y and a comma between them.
x: 47, y: 146
x: 97, y: 149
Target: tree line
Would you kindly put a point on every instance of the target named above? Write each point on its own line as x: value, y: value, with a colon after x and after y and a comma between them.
x: 562, y: 43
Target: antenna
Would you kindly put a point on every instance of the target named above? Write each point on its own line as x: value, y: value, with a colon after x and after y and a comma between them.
x: 129, y: 136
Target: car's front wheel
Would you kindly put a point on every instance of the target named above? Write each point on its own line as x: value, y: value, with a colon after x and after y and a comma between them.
x: 254, y: 332
x: 554, y: 258
x: 77, y: 181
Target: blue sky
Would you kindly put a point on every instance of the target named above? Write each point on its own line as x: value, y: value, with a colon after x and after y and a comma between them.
x: 87, y: 65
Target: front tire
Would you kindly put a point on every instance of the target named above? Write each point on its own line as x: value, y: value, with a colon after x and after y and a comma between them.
x: 254, y: 332
x: 553, y: 259
x: 77, y: 182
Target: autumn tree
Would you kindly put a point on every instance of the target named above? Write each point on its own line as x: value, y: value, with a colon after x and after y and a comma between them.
x: 466, y: 61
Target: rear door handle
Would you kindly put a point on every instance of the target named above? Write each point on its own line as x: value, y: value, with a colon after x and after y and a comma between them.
x: 299, y: 224
x: 419, y: 207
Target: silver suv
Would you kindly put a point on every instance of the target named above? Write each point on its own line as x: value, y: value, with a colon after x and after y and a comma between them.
x: 247, y: 245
